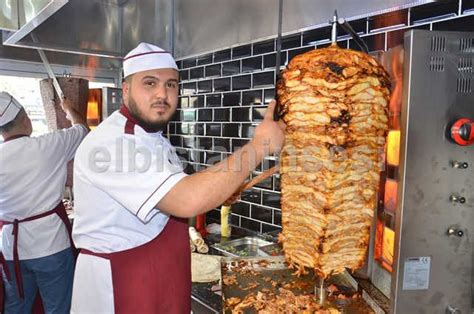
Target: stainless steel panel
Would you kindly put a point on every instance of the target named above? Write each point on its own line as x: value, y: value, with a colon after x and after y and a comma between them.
x: 87, y: 27
x: 30, y: 9
x: 111, y: 100
x: 31, y: 14
x: 31, y: 55
x: 206, y: 25
x: 431, y: 104
x: 300, y: 14
x: 94, y: 24
x: 111, y: 28
x: 148, y: 21
x: 9, y: 15
x: 98, y: 26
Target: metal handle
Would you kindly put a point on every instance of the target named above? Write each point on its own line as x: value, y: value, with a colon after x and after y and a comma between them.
x: 348, y: 28
x: 455, y: 198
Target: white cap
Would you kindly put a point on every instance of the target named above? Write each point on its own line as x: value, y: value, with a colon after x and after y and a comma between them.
x: 9, y: 108
x: 147, y: 57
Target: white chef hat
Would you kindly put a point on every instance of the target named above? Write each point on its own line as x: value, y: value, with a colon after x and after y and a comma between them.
x: 147, y: 57
x: 9, y: 108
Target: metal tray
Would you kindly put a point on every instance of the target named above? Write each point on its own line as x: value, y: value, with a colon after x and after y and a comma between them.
x: 250, y: 275
x: 247, y: 246
x: 273, y: 249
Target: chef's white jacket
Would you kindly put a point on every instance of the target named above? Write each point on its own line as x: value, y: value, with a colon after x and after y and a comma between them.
x: 33, y: 174
x: 118, y: 180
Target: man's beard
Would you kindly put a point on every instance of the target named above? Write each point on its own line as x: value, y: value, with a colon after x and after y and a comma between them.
x: 148, y: 126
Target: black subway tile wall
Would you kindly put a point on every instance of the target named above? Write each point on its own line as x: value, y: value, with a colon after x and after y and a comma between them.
x: 213, y: 70
x: 222, y: 115
x: 252, y: 64
x: 197, y: 73
x: 291, y: 41
x: 206, y: 59
x: 205, y: 115
x: 222, y: 55
x: 241, y: 82
x: 213, y: 100
x: 241, y: 51
x: 230, y: 68
x: 205, y: 86
x: 224, y: 95
x: 251, y: 97
x: 196, y: 101
x: 222, y: 85
x: 264, y: 47
x: 467, y: 7
x: 221, y: 144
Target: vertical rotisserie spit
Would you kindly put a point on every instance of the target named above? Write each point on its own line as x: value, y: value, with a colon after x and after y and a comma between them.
x: 334, y: 102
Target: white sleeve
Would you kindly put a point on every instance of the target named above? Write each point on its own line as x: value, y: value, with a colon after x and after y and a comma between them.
x: 64, y: 141
x: 134, y: 174
x: 71, y: 138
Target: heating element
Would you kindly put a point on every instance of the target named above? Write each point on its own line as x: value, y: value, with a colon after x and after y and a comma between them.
x: 421, y: 250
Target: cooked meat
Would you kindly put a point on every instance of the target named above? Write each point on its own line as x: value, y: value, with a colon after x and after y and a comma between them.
x: 287, y: 302
x: 284, y: 301
x: 334, y: 102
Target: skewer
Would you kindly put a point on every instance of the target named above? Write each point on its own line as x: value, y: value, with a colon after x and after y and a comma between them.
x: 320, y: 292
x: 334, y: 28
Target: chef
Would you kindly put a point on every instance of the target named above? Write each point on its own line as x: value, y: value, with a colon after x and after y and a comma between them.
x: 36, y: 246
x: 131, y: 196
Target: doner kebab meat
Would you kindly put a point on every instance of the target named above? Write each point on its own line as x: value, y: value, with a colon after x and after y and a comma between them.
x: 334, y: 103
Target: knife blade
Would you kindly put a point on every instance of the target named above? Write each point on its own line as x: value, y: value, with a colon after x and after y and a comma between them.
x: 48, y: 68
x: 56, y: 86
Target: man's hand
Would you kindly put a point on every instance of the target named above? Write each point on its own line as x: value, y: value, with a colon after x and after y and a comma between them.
x: 72, y: 114
x: 66, y: 104
x: 68, y: 108
x: 269, y: 135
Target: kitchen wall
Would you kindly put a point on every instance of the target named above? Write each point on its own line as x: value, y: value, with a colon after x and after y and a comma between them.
x: 224, y: 95
x: 228, y: 22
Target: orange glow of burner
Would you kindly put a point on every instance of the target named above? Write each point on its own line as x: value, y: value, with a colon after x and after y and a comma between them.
x: 393, y: 147
x: 94, y: 107
x: 384, y: 246
x: 390, y: 197
x: 388, y: 245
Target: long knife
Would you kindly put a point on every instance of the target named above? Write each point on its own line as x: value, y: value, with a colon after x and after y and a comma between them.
x: 56, y: 86
x: 276, y: 116
x: 46, y: 64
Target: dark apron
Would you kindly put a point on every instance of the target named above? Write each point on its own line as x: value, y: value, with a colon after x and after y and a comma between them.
x: 156, y: 276
x: 58, y: 210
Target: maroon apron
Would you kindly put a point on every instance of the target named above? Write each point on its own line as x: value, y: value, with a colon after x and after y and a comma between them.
x: 156, y: 276
x: 58, y: 210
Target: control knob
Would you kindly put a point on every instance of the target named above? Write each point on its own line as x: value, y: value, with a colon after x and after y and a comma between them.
x: 462, y: 132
